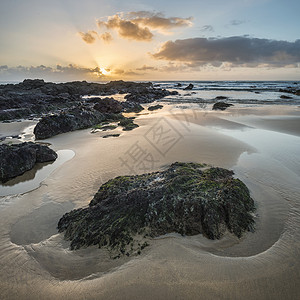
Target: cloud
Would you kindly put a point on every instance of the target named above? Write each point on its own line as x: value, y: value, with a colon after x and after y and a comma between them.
x: 138, y: 25
x: 58, y: 73
x: 158, y: 20
x: 89, y: 37
x: 106, y: 37
x: 127, y: 29
x: 238, y: 50
x: 125, y: 72
x: 207, y: 28
x: 236, y: 22
x: 146, y: 68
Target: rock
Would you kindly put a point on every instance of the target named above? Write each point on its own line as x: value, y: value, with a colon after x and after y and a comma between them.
x: 189, y: 87
x: 285, y: 97
x: 128, y: 124
x: 111, y: 135
x: 108, y: 105
x: 149, y: 95
x: 129, y: 106
x: 36, y: 97
x: 221, y: 98
x: 221, y: 106
x: 154, y: 107
x: 178, y: 85
x: 78, y: 118
x: 186, y: 198
x: 19, y: 158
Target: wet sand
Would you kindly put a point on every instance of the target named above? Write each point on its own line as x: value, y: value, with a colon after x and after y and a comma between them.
x: 35, y: 262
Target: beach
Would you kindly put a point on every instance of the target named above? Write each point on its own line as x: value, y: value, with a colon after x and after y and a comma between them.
x: 260, y: 143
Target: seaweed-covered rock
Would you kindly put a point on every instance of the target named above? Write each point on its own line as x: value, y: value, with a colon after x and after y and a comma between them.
x: 186, y: 198
x: 128, y: 124
x: 19, y: 158
x: 221, y: 106
x: 77, y: 118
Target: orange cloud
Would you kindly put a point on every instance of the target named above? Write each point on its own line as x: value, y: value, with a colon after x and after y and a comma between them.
x: 89, y: 37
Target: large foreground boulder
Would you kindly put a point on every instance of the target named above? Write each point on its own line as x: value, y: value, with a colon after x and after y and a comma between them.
x: 186, y: 198
x: 19, y: 158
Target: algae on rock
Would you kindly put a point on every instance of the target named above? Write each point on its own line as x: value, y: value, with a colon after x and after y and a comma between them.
x: 187, y: 198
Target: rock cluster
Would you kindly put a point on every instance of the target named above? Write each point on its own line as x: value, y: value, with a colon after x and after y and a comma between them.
x: 186, y: 198
x: 36, y: 97
x: 19, y: 158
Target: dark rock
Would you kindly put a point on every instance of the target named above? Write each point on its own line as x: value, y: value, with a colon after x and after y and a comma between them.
x: 128, y: 124
x: 178, y: 85
x: 108, y: 105
x: 77, y: 118
x: 19, y: 158
x: 221, y: 106
x: 130, y: 106
x: 154, y: 107
x: 111, y: 135
x: 186, y: 198
x: 189, y: 87
x: 149, y: 95
x: 221, y: 98
x: 285, y: 97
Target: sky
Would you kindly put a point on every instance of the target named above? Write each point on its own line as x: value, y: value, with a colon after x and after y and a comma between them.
x: 101, y: 40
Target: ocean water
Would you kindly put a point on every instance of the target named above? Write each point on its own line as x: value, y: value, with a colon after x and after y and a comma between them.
x: 243, y: 92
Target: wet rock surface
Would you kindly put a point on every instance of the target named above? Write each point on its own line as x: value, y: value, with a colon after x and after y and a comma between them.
x: 37, y: 97
x: 221, y: 106
x: 155, y: 107
x: 18, y: 158
x: 74, y: 119
x: 189, y: 87
x: 186, y: 198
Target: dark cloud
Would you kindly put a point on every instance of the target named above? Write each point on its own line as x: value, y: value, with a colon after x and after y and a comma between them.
x: 236, y: 22
x: 208, y: 28
x: 239, y: 50
x: 138, y: 25
x: 89, y: 37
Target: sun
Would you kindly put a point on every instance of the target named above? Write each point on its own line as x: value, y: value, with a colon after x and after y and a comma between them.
x: 104, y: 71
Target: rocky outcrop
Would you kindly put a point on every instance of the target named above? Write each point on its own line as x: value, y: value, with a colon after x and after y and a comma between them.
x: 19, y: 158
x: 221, y: 106
x: 77, y: 118
x: 189, y: 87
x: 148, y: 95
x: 108, y: 105
x: 36, y: 97
x: 186, y: 198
